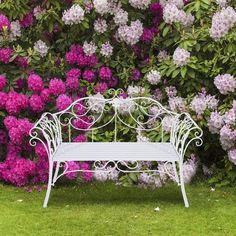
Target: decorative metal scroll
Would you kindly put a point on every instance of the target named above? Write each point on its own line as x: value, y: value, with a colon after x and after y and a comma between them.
x: 48, y: 132
x: 88, y: 113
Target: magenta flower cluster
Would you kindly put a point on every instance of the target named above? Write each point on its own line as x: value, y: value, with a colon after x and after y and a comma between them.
x: 4, y: 22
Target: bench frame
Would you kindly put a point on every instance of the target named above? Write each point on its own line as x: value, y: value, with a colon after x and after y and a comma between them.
x: 48, y: 131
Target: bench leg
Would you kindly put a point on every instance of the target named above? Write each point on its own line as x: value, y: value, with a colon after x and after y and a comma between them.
x: 183, y: 188
x: 49, y: 185
x: 56, y: 173
x: 175, y: 173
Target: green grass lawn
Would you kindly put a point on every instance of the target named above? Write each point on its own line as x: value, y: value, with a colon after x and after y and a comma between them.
x: 107, y: 209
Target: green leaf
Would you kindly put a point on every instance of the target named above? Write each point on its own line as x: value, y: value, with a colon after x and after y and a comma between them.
x: 134, y: 177
x: 191, y: 73
x: 166, y: 30
x: 183, y: 71
x: 175, y: 73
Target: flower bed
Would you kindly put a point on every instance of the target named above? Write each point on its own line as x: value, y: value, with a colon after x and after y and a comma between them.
x: 179, y: 52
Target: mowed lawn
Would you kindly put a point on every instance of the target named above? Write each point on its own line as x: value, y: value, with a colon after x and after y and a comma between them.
x: 107, y: 209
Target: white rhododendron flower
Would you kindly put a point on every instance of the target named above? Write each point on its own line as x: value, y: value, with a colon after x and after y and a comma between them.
x: 109, y: 173
x: 100, y: 25
x: 140, y: 4
x: 177, y: 104
x: 106, y: 49
x: 101, y: 6
x: 130, y: 34
x: 222, y: 22
x: 162, y: 55
x: 15, y: 30
x: 186, y: 19
x: 167, y: 123
x: 232, y: 156
x: 96, y: 102
x: 38, y: 11
x: 177, y: 3
x: 222, y: 3
x: 123, y: 105
x: 89, y: 48
x: 74, y: 15
x: 225, y: 83
x: 154, y: 77
x: 180, y: 57
x: 215, y: 122
x: 120, y: 17
x: 135, y: 91
x: 41, y: 48
x: 140, y: 137
x: 189, y: 169
x: 170, y: 13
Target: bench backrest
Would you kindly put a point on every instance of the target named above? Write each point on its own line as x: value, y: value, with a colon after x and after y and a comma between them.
x: 96, y: 112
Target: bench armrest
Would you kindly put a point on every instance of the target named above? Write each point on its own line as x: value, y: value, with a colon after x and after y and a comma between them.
x: 47, y: 130
x: 184, y: 131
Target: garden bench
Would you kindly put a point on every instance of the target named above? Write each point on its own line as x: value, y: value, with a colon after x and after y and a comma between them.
x: 94, y: 114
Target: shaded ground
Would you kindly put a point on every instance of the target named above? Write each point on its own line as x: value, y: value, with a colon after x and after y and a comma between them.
x: 107, y: 209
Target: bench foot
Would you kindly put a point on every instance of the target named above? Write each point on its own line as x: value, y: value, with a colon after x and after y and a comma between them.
x: 45, y: 203
x: 183, y: 189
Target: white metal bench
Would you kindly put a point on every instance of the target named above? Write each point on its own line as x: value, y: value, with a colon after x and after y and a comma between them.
x: 95, y: 113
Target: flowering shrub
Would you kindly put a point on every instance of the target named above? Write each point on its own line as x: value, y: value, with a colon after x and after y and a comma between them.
x: 180, y: 52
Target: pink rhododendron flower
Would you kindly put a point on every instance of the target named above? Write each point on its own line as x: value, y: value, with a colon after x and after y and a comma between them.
x: 88, y: 75
x: 35, y: 83
x: 36, y: 103
x: 3, y: 137
x: 16, y: 102
x: 156, y: 9
x: 79, y: 108
x: 45, y: 95
x: 18, y: 172
x: 41, y: 151
x: 87, y: 176
x: 113, y: 82
x: 62, y: 102
x: 105, y: 73
x: 27, y: 20
x: 24, y: 125
x: 148, y: 35
x: 80, y: 138
x: 72, y: 165
x: 72, y: 83
x: 100, y: 88
x: 91, y: 60
x: 5, y: 55
x: 22, y: 62
x: 82, y: 123
x: 135, y: 74
x: 56, y: 87
x: 75, y: 72
x: 3, y: 100
x: 4, y: 22
x: 16, y: 136
x: 10, y: 122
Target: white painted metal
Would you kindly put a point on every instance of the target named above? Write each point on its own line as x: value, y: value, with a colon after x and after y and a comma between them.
x: 48, y: 131
x: 116, y: 151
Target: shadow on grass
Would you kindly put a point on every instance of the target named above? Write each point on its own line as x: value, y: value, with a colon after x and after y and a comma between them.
x: 108, y: 194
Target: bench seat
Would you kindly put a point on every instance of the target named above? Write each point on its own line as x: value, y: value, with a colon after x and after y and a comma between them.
x: 105, y: 151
